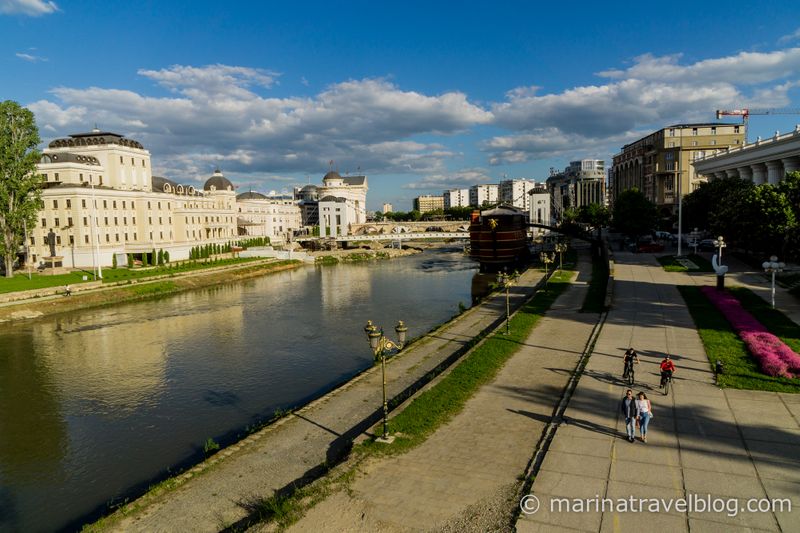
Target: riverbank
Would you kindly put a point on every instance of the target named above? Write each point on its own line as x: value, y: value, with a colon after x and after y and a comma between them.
x: 215, y: 494
x: 355, y: 255
x: 103, y: 295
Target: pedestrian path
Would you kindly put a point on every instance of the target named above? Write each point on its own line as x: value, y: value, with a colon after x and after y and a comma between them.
x: 211, y: 499
x: 703, y: 441
x: 475, y: 458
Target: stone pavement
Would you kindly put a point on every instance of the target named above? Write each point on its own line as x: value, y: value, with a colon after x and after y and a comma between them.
x: 481, y: 451
x: 294, y: 448
x: 702, y: 440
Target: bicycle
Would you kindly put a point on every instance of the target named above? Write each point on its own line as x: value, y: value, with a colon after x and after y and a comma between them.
x: 629, y: 374
x: 667, y: 384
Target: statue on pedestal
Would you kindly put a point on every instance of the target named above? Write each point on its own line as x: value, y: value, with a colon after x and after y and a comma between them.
x: 51, y: 240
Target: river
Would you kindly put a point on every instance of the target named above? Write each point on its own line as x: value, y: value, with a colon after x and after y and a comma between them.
x: 97, y: 405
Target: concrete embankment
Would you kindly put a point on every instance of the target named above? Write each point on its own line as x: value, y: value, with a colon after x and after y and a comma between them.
x: 296, y: 449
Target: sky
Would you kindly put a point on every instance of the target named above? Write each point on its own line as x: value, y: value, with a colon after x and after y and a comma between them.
x: 419, y: 96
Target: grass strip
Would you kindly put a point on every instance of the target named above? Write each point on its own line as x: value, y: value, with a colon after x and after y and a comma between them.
x: 671, y: 264
x: 722, y: 343
x: 437, y: 405
x: 595, y: 301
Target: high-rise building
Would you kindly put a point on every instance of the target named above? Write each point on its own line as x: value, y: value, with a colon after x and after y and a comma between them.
x: 660, y: 164
x: 456, y: 198
x: 539, y: 200
x: 515, y: 193
x: 581, y: 183
x: 427, y: 203
x: 387, y: 208
x: 480, y: 195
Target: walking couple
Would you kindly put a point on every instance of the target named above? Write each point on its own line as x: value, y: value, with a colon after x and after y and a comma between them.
x: 638, y: 413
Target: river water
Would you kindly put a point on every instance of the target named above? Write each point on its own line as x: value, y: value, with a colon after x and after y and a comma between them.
x: 97, y: 405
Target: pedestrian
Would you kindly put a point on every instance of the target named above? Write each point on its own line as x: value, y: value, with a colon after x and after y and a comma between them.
x: 644, y: 411
x: 631, y: 414
x: 67, y: 290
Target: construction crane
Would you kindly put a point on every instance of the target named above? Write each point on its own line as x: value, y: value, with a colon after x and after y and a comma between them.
x: 746, y: 112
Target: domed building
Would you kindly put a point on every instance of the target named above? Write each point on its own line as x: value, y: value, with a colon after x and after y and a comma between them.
x: 343, y: 201
x: 218, y: 182
x: 273, y: 216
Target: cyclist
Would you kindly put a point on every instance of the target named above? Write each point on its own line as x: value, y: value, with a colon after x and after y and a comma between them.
x: 667, y: 368
x: 628, y: 360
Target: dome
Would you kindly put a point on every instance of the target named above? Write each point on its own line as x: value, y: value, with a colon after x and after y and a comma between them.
x: 309, y: 188
x: 218, y: 182
x: 250, y: 195
x: 332, y: 175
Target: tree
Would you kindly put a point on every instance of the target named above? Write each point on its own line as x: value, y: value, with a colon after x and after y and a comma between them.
x: 130, y: 260
x: 166, y: 256
x: 700, y: 206
x: 160, y: 257
x: 113, y: 260
x: 20, y: 185
x: 634, y: 214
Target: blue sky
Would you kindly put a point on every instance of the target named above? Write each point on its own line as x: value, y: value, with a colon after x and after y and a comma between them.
x: 419, y: 97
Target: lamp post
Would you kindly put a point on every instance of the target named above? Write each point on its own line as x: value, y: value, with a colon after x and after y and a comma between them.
x: 380, y: 347
x: 561, y: 247
x: 505, y: 281
x: 719, y: 242
x: 773, y: 266
x: 546, y: 259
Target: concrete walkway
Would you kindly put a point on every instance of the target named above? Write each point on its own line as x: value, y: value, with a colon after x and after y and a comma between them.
x: 293, y: 450
x: 702, y: 440
x: 469, y: 467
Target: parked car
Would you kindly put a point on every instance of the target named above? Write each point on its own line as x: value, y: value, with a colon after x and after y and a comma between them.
x: 650, y: 247
x: 664, y: 235
x: 707, y: 245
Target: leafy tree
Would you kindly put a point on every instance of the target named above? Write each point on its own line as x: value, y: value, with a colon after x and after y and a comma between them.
x: 700, y: 205
x: 166, y: 256
x: 144, y: 259
x: 160, y: 257
x: 113, y: 260
x: 459, y: 213
x: 20, y: 186
x: 130, y: 260
x: 634, y: 214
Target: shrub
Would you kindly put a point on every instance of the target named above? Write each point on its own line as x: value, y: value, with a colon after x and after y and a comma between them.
x: 774, y: 357
x: 166, y: 256
x: 114, y: 260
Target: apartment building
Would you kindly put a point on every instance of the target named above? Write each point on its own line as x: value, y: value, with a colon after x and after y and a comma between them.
x: 428, y: 202
x: 581, y: 183
x: 456, y: 198
x: 486, y: 194
x: 514, y: 192
x: 660, y: 164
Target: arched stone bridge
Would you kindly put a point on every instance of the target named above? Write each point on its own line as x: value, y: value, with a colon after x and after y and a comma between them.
x: 394, y: 228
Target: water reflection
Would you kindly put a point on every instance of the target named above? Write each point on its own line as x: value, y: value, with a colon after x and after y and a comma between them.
x: 95, y: 403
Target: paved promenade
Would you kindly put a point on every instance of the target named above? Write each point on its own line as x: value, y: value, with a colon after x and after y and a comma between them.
x: 469, y: 467
x: 702, y: 440
x: 215, y: 498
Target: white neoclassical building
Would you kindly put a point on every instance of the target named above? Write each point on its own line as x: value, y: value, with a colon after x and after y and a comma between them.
x: 273, y: 216
x: 763, y: 161
x: 342, y: 201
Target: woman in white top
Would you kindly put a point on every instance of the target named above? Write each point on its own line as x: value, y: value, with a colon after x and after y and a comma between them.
x: 645, y: 413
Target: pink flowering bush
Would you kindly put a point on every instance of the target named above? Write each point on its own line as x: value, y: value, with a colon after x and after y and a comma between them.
x: 774, y: 357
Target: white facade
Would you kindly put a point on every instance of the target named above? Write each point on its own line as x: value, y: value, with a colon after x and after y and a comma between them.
x: 483, y: 194
x: 335, y: 216
x: 387, y: 208
x: 352, y: 189
x: 515, y: 193
x: 456, y: 198
x: 763, y: 161
x: 539, y: 199
x: 276, y: 217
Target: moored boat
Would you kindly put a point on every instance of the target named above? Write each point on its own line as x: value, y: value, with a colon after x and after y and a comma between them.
x: 498, y: 238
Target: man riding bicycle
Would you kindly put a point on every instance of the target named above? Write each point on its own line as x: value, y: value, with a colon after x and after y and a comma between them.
x: 667, y: 368
x: 628, y: 360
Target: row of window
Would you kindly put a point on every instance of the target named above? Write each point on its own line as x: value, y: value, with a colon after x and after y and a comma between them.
x: 696, y: 132
x: 105, y: 204
x: 133, y: 162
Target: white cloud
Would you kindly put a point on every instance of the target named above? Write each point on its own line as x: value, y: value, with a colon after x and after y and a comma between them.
x: 461, y: 179
x: 213, y: 116
x: 33, y: 8
x: 653, y: 92
x: 30, y: 57
x: 786, y: 39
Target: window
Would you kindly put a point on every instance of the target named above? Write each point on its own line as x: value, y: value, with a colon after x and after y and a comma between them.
x: 713, y: 141
x: 55, y: 204
x: 69, y: 221
x: 151, y: 235
x: 150, y: 220
x: 85, y: 221
x: 33, y: 241
x: 114, y: 204
x: 694, y: 143
x: 143, y: 162
x: 148, y: 205
x: 106, y: 220
x: 116, y: 222
x: 46, y: 177
x: 133, y: 206
x: 56, y: 178
x: 121, y: 162
x: 170, y: 220
x: 116, y: 237
x: 105, y: 204
x: 108, y: 238
x: 72, y: 239
x: 135, y: 237
x: 123, y: 204
x: 694, y: 131
x: 670, y: 145
x: 134, y: 220
x: 672, y: 132
x: 86, y: 239
x: 83, y: 204
x: 126, y: 237
x: 162, y: 235
x: 713, y: 130
x: 132, y: 162
x: 159, y: 205
x: 81, y: 176
x: 124, y: 221
x: 69, y: 204
x: 736, y: 129
x: 56, y: 222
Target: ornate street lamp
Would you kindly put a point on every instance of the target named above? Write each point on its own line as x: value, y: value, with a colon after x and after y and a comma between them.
x: 380, y: 347
x: 561, y: 247
x: 773, y: 266
x: 505, y: 281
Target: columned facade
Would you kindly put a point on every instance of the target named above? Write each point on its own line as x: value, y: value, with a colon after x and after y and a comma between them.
x: 764, y: 161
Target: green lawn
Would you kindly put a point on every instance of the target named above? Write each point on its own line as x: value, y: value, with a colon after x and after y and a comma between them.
x: 721, y: 342
x: 671, y: 264
x: 439, y: 404
x: 20, y: 282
